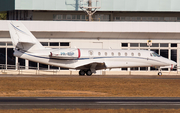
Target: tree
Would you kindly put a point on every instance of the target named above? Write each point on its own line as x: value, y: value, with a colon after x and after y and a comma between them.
x: 3, y: 15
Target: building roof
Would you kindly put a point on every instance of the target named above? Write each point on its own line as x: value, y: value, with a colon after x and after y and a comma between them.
x: 106, y: 5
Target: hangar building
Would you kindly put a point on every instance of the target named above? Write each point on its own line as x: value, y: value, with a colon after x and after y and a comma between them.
x: 118, y: 24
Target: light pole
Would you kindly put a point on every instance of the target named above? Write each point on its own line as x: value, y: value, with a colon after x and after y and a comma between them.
x: 89, y: 9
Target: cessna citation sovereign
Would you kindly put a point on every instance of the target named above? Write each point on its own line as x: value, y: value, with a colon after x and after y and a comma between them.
x: 26, y: 46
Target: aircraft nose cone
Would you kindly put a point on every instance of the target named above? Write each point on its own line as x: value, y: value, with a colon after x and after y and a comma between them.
x: 173, y: 64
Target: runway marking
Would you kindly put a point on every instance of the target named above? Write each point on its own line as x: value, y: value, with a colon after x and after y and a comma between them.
x: 139, y: 102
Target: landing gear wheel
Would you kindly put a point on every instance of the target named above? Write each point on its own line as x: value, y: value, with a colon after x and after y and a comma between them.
x: 159, y: 74
x: 81, y: 73
x: 88, y: 72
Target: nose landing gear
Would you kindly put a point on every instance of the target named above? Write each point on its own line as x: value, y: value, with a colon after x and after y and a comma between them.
x: 159, y: 73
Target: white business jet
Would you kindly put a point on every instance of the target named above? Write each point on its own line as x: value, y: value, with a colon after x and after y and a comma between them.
x: 26, y: 46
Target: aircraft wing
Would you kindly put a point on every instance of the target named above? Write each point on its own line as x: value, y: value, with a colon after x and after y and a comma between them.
x: 92, y: 66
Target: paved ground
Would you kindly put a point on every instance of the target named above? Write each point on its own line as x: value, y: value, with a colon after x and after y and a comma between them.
x: 89, y: 102
x: 102, y: 76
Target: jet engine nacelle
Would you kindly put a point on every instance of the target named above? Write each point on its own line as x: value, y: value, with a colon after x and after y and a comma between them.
x: 65, y: 54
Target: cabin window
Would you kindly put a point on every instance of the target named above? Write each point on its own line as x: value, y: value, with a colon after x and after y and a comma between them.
x: 90, y: 52
x: 119, y: 54
x: 105, y: 53
x: 139, y: 54
x: 132, y: 54
x: 112, y: 54
x: 125, y: 54
x: 99, y: 53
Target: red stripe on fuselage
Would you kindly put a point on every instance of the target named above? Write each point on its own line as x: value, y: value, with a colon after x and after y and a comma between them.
x: 79, y: 53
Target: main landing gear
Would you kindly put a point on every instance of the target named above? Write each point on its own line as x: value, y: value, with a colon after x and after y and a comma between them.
x: 83, y: 72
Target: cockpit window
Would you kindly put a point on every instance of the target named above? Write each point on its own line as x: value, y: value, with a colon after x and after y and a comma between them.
x: 155, y: 55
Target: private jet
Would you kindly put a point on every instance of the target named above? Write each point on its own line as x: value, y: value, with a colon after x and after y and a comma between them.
x: 87, y: 61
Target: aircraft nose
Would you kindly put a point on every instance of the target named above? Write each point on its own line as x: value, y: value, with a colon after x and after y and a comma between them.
x: 173, y: 64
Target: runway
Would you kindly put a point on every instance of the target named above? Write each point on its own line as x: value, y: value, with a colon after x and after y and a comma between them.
x: 96, y: 76
x: 89, y: 102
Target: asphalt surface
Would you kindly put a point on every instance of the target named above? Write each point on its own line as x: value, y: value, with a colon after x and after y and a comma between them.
x: 89, y: 102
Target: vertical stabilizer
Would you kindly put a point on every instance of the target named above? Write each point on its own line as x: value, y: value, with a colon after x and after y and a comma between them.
x: 22, y: 38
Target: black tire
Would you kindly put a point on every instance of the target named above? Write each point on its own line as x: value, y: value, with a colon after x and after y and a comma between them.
x: 88, y: 72
x: 159, y: 74
x: 81, y: 73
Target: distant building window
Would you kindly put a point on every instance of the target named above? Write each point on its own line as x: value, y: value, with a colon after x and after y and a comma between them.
x: 178, y: 18
x: 2, y: 43
x: 64, y: 43
x: 74, y: 17
x: 102, y: 17
x: 124, y: 44
x: 173, y: 45
x: 44, y: 43
x: 155, y: 45
x: 127, y: 18
x: 167, y: 18
x: 122, y: 18
x: 134, y: 44
x: 164, y: 45
x: 156, y: 18
x: 143, y: 44
x: 9, y: 44
x: 83, y: 17
x: 99, y: 53
x: 105, y: 53
x: 78, y: 17
x: 138, y: 18
x: 118, y: 18
x: 68, y: 17
x: 54, y: 43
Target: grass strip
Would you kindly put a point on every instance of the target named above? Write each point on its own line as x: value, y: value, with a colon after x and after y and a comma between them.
x: 88, y: 86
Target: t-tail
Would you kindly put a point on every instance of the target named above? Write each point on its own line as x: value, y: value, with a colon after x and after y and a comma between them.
x: 22, y: 38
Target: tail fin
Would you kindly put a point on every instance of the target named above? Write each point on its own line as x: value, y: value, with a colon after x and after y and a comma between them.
x: 22, y: 38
